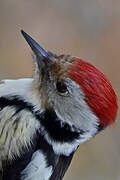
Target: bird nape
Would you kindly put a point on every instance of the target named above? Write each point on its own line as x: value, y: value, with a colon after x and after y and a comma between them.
x: 44, y: 119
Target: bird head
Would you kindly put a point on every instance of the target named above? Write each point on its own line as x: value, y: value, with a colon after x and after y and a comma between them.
x: 75, y: 90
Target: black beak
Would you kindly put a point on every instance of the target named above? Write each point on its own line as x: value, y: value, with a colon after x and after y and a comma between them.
x: 36, y: 48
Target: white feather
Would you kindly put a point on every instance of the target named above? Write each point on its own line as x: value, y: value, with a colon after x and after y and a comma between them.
x: 12, y: 141
x: 22, y: 87
x: 37, y: 169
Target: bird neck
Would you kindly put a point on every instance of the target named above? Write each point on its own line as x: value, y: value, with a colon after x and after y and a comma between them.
x: 62, y: 136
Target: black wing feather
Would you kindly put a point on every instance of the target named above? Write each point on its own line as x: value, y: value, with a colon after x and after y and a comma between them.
x: 61, y: 167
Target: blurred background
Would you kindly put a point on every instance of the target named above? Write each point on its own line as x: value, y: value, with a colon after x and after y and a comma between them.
x: 83, y: 28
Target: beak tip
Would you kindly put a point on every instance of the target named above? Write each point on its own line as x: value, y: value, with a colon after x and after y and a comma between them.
x: 23, y: 33
x: 36, y: 48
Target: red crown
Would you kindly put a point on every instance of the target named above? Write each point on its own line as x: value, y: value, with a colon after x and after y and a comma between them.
x: 98, y: 90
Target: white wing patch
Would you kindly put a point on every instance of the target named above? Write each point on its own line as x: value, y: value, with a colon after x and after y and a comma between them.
x: 21, y: 87
x: 37, y: 169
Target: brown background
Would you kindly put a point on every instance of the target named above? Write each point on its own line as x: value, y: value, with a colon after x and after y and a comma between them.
x: 84, y: 28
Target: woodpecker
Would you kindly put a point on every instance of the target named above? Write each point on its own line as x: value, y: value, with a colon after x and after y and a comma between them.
x: 44, y: 119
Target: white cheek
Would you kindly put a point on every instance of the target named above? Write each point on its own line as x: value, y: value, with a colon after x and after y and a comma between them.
x: 75, y: 110
x: 77, y: 113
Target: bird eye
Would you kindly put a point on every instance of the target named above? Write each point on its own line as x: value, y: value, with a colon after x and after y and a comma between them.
x: 61, y: 88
